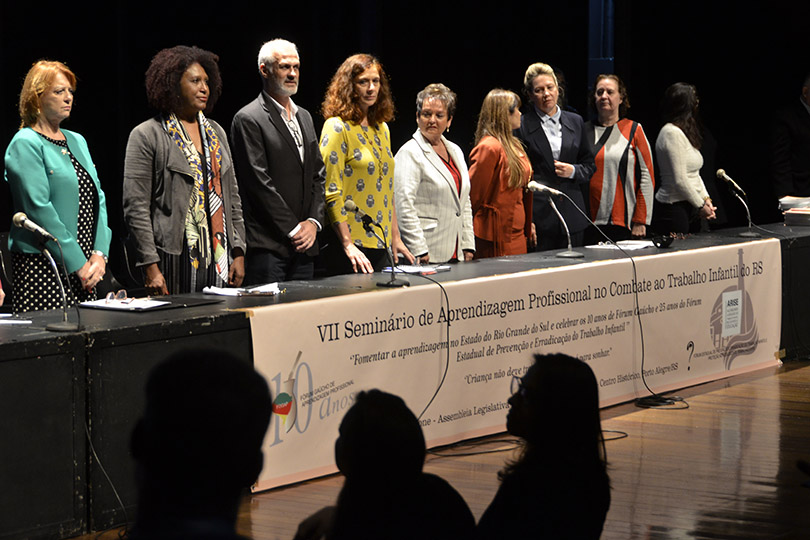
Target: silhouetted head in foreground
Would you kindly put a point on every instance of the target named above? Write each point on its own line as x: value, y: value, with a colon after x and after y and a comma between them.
x: 558, y: 487
x: 381, y: 451
x: 555, y: 408
x: 198, y: 444
x: 380, y: 438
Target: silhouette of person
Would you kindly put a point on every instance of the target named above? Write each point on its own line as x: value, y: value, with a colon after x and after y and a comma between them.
x: 789, y: 140
x: 198, y: 445
x: 381, y: 452
x: 559, y: 487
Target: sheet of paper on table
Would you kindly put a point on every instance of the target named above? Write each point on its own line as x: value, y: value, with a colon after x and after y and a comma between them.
x: 627, y: 245
x: 268, y: 289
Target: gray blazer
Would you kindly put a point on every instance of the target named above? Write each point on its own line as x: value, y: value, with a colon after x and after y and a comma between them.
x: 157, y: 187
x: 431, y: 214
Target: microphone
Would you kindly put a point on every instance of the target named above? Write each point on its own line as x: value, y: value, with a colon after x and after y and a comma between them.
x: 721, y: 174
x: 351, y: 206
x: 540, y: 188
x: 21, y: 220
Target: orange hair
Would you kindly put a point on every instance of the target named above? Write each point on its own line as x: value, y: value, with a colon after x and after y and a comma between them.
x: 39, y: 78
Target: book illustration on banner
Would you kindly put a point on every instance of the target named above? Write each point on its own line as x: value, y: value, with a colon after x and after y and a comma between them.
x: 284, y: 405
x: 733, y: 326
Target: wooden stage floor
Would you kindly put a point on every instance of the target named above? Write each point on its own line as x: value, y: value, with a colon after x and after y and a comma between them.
x: 723, y: 468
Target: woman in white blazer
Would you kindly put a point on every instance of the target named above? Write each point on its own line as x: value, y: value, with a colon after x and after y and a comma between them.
x: 432, y: 185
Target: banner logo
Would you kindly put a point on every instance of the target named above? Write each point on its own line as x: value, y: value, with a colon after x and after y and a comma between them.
x: 286, y: 404
x: 733, y: 326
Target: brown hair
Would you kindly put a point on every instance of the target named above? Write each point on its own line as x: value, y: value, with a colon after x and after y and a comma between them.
x: 493, y: 120
x: 341, y: 100
x: 680, y: 107
x: 440, y: 93
x: 39, y: 78
x: 625, y: 104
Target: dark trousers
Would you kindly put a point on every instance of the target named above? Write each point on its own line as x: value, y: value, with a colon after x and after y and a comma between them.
x: 557, y: 240
x: 617, y: 233
x: 263, y: 266
x: 680, y: 217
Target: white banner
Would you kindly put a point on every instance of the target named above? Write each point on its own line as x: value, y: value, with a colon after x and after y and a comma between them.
x: 705, y: 314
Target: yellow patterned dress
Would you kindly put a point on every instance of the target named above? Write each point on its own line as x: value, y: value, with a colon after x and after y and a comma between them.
x: 359, y: 166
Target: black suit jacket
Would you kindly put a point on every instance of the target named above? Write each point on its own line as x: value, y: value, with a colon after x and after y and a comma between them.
x: 278, y: 190
x: 575, y: 150
x: 790, y: 152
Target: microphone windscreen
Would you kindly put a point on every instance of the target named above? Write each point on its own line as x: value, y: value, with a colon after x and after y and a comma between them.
x: 19, y: 219
x: 721, y: 173
x: 350, y: 205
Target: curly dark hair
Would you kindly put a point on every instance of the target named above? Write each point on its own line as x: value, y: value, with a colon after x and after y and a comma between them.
x: 341, y: 100
x: 166, y: 70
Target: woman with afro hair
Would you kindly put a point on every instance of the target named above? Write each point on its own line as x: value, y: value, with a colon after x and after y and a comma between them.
x: 181, y: 202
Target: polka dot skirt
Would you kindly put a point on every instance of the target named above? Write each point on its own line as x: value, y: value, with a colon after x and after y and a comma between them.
x: 35, y: 284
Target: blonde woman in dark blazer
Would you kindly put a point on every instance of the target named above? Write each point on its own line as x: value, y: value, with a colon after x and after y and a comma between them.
x: 432, y: 185
x: 561, y: 157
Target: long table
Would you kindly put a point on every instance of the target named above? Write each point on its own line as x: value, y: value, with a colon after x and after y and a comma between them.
x: 69, y: 401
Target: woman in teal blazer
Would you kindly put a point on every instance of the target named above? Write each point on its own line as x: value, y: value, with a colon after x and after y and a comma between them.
x: 54, y: 182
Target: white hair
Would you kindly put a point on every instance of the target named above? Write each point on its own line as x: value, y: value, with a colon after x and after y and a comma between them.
x: 270, y: 51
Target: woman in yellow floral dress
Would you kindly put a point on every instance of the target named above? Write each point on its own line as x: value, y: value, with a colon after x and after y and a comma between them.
x: 356, y: 149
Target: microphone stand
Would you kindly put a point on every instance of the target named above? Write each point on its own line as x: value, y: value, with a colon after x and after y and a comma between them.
x: 64, y: 325
x: 569, y: 253
x: 393, y: 282
x: 750, y: 233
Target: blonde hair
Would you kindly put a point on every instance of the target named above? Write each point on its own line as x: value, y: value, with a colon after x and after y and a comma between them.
x: 538, y: 68
x: 493, y: 120
x: 39, y: 78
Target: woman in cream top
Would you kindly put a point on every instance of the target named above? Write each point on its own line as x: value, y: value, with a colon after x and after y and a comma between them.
x: 682, y: 201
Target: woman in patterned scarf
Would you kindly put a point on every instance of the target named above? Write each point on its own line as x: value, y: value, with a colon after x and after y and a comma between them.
x: 181, y: 202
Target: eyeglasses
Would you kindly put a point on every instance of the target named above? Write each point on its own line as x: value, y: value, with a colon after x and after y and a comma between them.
x: 516, y: 386
x: 120, y: 296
